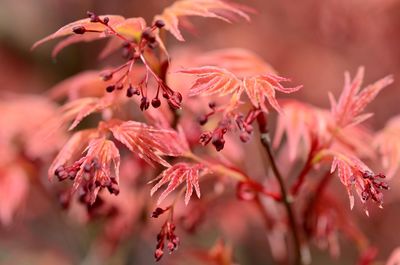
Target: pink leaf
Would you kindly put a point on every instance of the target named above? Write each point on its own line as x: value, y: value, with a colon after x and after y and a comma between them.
x: 203, y: 8
x: 176, y: 175
x: 148, y: 142
x: 211, y: 80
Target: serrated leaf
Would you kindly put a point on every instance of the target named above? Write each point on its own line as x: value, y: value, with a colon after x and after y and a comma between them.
x: 352, y: 102
x: 176, y: 175
x: 148, y: 142
x: 203, y: 8
x: 211, y: 80
x: 67, y: 29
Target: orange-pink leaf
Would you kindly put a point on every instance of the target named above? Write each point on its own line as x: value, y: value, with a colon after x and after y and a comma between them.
x: 211, y: 80
x: 352, y: 102
x: 68, y: 29
x: 263, y: 86
x: 240, y: 62
x: 203, y: 8
x: 148, y: 142
x: 176, y: 175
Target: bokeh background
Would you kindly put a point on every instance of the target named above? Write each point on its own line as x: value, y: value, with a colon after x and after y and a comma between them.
x: 311, y: 41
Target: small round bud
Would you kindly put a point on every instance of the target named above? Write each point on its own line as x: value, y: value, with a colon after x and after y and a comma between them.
x: 146, y: 34
x: 106, y: 76
x: 178, y: 96
x: 155, y: 102
x: 79, y: 29
x: 130, y: 91
x: 218, y: 143
x: 203, y: 119
x: 159, y: 23
x: 211, y: 105
x: 110, y: 88
x: 106, y: 20
x: 165, y: 95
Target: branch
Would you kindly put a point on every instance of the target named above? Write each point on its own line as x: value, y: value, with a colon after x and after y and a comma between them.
x: 266, y: 142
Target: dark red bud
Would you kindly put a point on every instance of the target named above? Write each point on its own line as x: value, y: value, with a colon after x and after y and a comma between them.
x: 203, y: 119
x: 79, y: 29
x: 159, y: 23
x: 106, y: 76
x: 156, y: 102
x: 157, y: 212
x: 218, y: 143
x: 106, y: 20
x: 110, y: 88
x: 130, y: 91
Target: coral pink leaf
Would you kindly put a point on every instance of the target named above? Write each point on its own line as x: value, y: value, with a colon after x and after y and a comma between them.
x: 68, y: 29
x: 203, y: 8
x: 352, y: 102
x: 263, y: 86
x: 211, y: 80
x: 74, y: 147
x: 148, y: 142
x: 240, y: 62
x: 176, y: 175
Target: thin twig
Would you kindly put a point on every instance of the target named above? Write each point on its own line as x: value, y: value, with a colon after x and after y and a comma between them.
x: 266, y: 142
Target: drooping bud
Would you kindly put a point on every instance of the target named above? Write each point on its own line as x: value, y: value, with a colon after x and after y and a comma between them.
x: 157, y: 212
x: 106, y: 20
x: 110, y: 88
x: 159, y: 23
x: 106, y: 76
x: 203, y: 119
x: 155, y: 102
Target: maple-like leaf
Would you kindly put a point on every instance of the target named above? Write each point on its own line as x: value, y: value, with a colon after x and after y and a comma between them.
x: 388, y: 143
x: 147, y: 142
x: 130, y: 28
x: 241, y: 62
x: 300, y: 122
x: 352, y: 102
x: 176, y: 175
x: 203, y: 8
x: 353, y: 173
x: 211, y: 80
x: 214, y: 80
x: 264, y: 86
x: 86, y: 23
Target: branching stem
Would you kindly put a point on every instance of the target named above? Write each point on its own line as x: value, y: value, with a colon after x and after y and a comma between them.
x: 286, y: 199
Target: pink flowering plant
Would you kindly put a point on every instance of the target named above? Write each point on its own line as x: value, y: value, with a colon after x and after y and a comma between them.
x: 157, y: 145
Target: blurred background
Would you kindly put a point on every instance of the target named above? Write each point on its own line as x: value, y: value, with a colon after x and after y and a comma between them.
x: 311, y: 41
